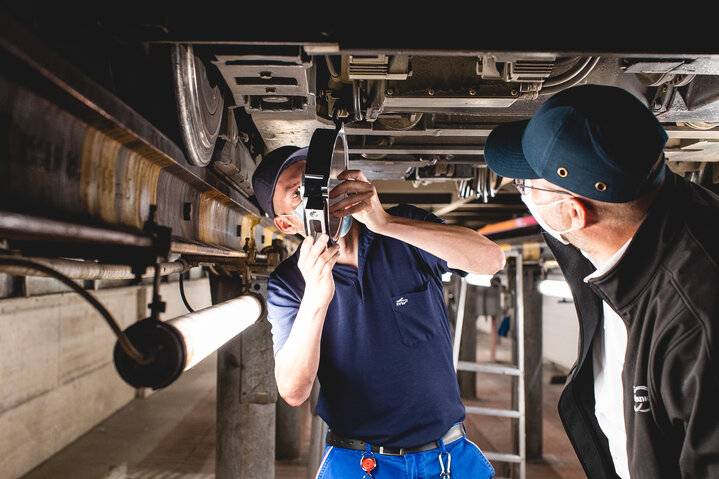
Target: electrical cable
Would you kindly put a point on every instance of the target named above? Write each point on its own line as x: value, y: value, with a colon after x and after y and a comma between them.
x: 122, y: 339
x: 182, y: 294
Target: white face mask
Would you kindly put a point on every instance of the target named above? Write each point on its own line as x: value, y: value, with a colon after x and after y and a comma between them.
x: 299, y: 213
x: 534, y: 209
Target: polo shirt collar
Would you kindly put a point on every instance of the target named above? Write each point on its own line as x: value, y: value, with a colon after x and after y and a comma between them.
x: 364, y: 243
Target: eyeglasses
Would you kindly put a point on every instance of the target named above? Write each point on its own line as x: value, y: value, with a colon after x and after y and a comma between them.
x: 523, y: 188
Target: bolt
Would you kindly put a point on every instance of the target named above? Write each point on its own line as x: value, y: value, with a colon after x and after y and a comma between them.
x: 472, y: 91
x: 389, y: 92
x: 514, y: 93
x: 430, y: 92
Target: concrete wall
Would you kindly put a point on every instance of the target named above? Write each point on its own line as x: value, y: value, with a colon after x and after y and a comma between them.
x: 58, y: 378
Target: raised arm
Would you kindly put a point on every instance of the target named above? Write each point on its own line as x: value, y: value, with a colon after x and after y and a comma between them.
x: 296, y: 363
x: 462, y: 248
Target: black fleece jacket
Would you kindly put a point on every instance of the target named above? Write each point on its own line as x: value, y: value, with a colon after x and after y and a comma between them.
x: 666, y: 290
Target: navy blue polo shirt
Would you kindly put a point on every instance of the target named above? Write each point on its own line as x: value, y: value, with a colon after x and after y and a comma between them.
x: 386, y: 370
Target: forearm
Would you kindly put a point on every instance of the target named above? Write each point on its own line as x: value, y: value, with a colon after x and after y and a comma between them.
x: 297, y: 362
x: 461, y: 247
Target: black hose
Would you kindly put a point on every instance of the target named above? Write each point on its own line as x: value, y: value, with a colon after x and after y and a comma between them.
x: 182, y: 294
x: 121, y: 337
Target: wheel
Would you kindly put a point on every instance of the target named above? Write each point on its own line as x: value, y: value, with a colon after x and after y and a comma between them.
x: 199, y: 104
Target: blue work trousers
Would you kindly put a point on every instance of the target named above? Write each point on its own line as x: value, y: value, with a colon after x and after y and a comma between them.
x: 465, y: 461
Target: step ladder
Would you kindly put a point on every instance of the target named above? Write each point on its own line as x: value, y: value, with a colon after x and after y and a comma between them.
x: 518, y: 370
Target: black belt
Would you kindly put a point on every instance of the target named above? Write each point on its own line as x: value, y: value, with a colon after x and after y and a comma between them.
x: 455, y: 432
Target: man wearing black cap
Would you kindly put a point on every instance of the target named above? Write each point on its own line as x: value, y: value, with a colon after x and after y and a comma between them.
x: 639, y: 247
x: 367, y: 317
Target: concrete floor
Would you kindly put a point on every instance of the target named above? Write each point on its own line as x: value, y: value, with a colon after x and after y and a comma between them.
x: 171, y: 434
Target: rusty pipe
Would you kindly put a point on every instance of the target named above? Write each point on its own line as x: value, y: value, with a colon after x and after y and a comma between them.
x: 89, y: 270
x: 21, y: 226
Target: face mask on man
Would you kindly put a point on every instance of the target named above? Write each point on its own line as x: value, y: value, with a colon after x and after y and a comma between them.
x: 299, y: 214
x: 534, y: 209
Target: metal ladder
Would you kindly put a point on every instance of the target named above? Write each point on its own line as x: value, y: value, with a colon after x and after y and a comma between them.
x: 517, y: 370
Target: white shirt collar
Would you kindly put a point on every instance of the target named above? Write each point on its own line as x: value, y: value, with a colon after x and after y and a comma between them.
x: 609, y: 264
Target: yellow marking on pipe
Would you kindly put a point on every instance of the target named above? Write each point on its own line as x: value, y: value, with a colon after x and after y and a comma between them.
x: 217, y: 220
x: 99, y: 156
x: 247, y: 227
x: 138, y: 189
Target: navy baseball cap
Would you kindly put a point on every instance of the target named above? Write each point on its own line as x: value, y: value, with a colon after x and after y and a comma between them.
x: 264, y: 179
x: 597, y: 141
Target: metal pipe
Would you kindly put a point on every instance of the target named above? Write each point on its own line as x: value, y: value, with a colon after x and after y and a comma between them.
x: 566, y: 76
x: 581, y: 76
x: 200, y: 250
x: 357, y: 100
x: 89, y: 270
x: 331, y: 68
x: 21, y: 226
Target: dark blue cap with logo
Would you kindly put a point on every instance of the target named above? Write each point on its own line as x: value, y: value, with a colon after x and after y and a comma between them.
x: 265, y: 177
x: 599, y: 142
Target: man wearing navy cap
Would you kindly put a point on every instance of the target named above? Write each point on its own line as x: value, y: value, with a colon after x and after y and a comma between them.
x: 367, y: 317
x: 639, y: 247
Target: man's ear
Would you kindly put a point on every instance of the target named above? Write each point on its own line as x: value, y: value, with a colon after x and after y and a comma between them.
x: 579, y: 213
x: 285, y: 226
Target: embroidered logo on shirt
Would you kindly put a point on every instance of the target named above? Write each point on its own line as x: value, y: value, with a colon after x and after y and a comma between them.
x: 401, y: 301
x: 641, y: 399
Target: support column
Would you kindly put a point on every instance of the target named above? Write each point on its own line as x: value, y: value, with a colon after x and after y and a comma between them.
x: 287, y: 431
x: 246, y: 396
x: 468, y: 344
x: 533, y: 359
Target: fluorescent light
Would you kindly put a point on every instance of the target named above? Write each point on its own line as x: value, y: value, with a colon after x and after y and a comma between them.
x: 480, y: 279
x: 558, y: 289
x: 206, y: 330
x: 171, y: 347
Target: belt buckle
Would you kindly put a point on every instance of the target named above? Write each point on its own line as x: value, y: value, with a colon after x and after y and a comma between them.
x: 387, y: 453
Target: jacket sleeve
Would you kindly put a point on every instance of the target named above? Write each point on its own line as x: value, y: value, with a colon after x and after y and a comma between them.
x: 690, y: 393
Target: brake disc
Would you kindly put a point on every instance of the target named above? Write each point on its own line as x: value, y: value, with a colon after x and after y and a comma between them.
x: 199, y: 105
